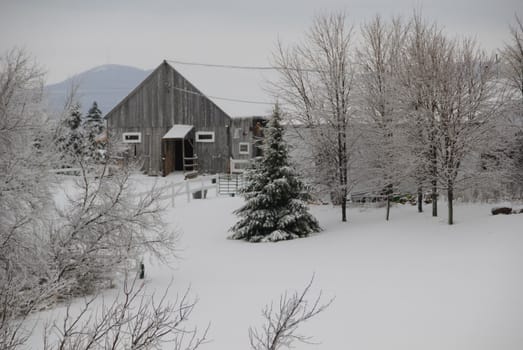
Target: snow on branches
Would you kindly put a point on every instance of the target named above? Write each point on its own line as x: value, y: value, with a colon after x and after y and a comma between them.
x: 275, y: 207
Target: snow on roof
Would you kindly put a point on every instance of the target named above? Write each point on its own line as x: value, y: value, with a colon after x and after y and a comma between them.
x: 178, y: 131
x: 250, y: 116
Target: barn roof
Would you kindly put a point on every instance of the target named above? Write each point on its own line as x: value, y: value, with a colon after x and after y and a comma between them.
x: 189, y: 89
x: 178, y: 131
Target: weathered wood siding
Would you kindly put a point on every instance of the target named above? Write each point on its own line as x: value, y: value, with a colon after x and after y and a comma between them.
x: 245, y: 130
x: 157, y: 104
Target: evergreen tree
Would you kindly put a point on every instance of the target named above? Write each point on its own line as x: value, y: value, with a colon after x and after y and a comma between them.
x: 275, y: 207
x: 74, y: 119
x: 94, y: 122
x: 70, y: 139
x: 94, y: 127
x: 75, y: 137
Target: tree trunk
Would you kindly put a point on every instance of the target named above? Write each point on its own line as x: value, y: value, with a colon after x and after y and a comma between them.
x: 388, y: 207
x: 450, y: 195
x: 420, y: 199
x: 344, y: 209
x: 434, y: 174
x: 388, y: 192
x: 434, y: 199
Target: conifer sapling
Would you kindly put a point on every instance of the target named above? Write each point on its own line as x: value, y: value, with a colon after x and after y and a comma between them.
x: 275, y: 207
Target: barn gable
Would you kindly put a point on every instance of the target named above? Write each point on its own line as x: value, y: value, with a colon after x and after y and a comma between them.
x: 165, y: 99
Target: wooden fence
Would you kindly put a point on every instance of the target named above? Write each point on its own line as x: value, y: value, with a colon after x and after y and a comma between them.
x: 223, y: 184
x: 230, y: 183
x: 197, y: 187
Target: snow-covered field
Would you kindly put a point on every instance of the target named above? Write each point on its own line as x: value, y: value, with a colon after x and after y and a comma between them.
x: 411, y: 283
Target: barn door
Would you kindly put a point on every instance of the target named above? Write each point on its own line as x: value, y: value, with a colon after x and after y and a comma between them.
x: 168, y: 156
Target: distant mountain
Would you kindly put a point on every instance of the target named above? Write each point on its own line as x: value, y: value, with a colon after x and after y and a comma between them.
x: 107, y: 85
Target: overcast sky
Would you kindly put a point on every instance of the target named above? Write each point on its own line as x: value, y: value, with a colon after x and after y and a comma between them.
x: 69, y: 36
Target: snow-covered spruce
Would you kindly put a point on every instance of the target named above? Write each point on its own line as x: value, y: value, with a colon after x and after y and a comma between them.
x: 94, y: 129
x: 275, y: 208
x: 70, y: 136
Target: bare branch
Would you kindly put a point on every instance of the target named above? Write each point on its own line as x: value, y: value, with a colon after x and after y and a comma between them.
x: 132, y: 321
x: 282, y: 323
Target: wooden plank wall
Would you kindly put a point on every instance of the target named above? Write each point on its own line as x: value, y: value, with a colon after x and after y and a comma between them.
x: 241, y: 131
x: 157, y: 104
x: 246, y: 129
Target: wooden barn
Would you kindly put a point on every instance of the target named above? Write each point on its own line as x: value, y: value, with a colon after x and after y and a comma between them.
x: 171, y: 126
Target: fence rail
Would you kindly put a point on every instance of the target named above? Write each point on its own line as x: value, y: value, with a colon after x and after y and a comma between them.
x: 224, y: 184
x: 188, y: 188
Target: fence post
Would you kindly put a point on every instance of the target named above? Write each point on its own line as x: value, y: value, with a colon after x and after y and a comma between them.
x: 172, y: 194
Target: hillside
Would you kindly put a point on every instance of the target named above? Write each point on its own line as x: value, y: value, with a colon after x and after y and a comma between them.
x: 106, y: 84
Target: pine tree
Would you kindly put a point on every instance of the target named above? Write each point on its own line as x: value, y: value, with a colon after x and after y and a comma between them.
x: 94, y: 127
x: 70, y: 136
x: 94, y: 122
x: 275, y: 207
x: 74, y: 119
x: 75, y: 137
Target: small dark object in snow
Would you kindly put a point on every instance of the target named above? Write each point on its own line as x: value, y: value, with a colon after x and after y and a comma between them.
x: 501, y: 210
x: 142, y: 271
x: 520, y: 211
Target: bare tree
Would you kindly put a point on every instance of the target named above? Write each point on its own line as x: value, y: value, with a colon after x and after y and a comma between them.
x: 132, y: 321
x: 512, y: 74
x: 423, y: 64
x: 282, y: 322
x: 22, y: 185
x: 452, y: 99
x: 24, y: 193
x: 104, y: 227
x: 46, y: 253
x: 467, y: 110
x: 513, y: 57
x: 379, y: 57
x: 316, y: 87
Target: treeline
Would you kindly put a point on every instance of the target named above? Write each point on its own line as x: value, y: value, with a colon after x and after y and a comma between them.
x: 399, y: 105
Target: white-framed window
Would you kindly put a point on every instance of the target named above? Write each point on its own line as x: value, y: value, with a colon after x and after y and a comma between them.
x: 205, y: 136
x: 132, y: 137
x: 239, y: 165
x: 244, y: 148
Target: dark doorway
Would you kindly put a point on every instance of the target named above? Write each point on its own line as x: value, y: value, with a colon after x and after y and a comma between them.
x: 173, y: 155
x: 178, y: 154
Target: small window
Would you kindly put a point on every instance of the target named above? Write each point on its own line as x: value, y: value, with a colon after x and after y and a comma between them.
x: 245, y: 148
x: 236, y: 134
x: 239, y: 165
x: 205, y: 136
x: 132, y: 137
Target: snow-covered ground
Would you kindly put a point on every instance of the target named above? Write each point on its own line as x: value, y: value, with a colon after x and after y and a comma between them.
x: 411, y: 283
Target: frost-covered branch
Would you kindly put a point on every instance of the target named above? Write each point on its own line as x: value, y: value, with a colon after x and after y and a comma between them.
x: 132, y: 321
x: 316, y: 86
x: 280, y: 329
